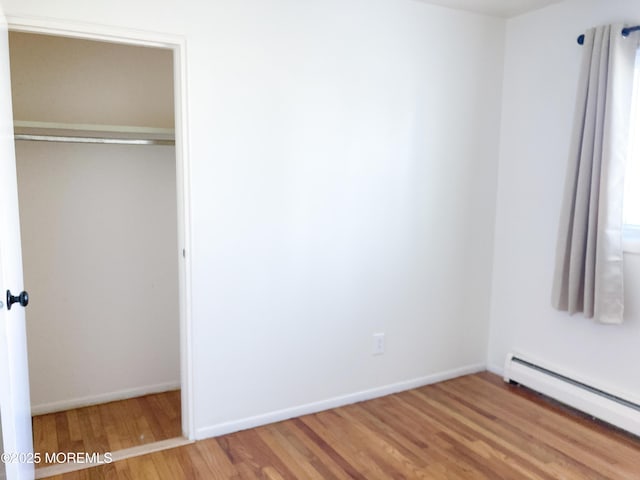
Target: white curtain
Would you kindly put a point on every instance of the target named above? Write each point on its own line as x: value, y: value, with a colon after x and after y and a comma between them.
x: 588, y: 274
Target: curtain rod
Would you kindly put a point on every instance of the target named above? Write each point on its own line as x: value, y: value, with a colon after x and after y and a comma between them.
x: 100, y: 140
x: 625, y: 33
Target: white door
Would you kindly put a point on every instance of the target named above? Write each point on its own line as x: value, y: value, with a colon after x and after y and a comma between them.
x: 15, y: 407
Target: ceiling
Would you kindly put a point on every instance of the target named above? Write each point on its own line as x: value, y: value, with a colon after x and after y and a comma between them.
x: 499, y: 8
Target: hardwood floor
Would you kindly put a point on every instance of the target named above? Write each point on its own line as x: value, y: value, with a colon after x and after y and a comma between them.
x: 473, y: 427
x: 110, y: 426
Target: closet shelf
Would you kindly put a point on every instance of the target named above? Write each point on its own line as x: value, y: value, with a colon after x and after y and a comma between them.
x: 92, y: 133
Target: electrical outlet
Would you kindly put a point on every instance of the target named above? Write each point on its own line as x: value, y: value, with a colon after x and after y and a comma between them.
x: 378, y: 344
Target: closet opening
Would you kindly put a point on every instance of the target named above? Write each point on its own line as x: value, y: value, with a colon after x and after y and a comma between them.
x: 102, y: 215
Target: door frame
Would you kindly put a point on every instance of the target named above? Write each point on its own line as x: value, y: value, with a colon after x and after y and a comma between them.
x: 178, y: 45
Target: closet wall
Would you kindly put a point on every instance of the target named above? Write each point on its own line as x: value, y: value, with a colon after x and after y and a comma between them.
x: 98, y: 223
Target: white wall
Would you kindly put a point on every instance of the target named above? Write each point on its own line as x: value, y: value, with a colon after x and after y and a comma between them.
x: 343, y: 162
x: 541, y: 72
x: 98, y: 224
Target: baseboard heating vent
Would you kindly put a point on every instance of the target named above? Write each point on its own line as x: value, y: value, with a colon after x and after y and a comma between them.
x: 594, y: 401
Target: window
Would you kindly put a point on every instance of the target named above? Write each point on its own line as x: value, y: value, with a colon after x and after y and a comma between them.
x: 631, y: 212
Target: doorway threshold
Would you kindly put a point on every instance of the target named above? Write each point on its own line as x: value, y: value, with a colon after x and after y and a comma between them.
x: 68, y: 467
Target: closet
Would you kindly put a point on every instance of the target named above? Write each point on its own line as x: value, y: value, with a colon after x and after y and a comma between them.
x: 97, y: 190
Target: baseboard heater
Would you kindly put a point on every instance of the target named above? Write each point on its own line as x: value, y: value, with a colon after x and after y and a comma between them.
x: 596, y: 402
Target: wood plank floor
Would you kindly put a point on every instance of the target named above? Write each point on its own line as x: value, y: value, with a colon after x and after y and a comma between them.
x: 110, y: 426
x: 470, y: 428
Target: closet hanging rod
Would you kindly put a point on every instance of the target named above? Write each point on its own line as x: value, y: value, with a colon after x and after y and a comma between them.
x: 94, y: 140
x: 92, y: 133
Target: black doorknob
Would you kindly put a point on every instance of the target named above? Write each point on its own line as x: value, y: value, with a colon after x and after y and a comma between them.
x: 22, y: 299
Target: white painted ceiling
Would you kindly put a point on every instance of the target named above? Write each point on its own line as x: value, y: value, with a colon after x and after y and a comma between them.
x: 499, y: 8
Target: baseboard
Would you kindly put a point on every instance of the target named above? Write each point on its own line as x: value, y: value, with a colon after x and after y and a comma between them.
x: 279, y: 415
x: 62, y: 405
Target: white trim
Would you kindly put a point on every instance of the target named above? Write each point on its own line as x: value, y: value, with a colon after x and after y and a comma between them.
x: 92, y: 31
x: 183, y: 179
x: 63, y: 405
x: 62, y: 468
x: 178, y: 44
x: 284, y: 414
